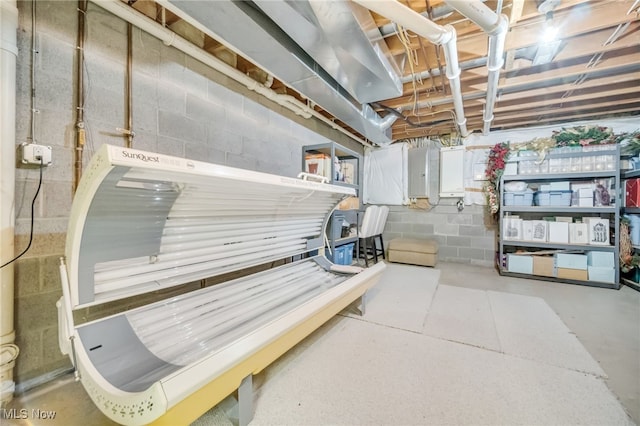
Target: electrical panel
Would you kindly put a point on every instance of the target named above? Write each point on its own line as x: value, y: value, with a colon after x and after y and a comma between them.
x: 423, y: 167
x: 452, y: 171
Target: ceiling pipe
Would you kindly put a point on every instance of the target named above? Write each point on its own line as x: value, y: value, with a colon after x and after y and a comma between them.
x: 8, y: 56
x: 496, y: 27
x: 169, y: 38
x: 527, y: 53
x: 438, y: 12
x: 436, y: 34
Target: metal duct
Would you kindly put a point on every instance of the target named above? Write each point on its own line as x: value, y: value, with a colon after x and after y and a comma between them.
x: 254, y: 35
x: 344, y: 40
x: 436, y: 34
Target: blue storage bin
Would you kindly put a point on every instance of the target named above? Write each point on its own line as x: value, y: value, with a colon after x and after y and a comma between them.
x: 348, y: 253
x: 553, y: 198
x: 343, y: 255
x: 338, y: 255
x: 518, y: 198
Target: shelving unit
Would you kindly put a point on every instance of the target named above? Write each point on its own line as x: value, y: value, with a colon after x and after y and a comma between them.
x: 631, y: 210
x: 338, y: 155
x: 570, y: 213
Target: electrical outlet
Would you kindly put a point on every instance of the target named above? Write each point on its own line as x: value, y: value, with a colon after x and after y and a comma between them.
x: 36, y: 154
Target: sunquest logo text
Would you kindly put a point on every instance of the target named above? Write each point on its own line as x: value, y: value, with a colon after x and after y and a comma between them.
x: 141, y: 157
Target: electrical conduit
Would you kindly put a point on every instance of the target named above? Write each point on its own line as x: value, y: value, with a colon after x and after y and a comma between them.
x: 169, y: 38
x: 436, y: 34
x: 8, y: 55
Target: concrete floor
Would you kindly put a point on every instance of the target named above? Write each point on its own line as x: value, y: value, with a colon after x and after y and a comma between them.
x: 606, y: 322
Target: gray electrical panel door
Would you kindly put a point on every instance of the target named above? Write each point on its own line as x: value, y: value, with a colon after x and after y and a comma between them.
x: 424, y: 172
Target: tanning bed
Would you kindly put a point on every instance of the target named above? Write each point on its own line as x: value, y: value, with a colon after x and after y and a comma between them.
x: 142, y: 222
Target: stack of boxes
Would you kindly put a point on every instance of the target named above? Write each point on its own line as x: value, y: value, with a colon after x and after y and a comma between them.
x: 593, y: 266
x: 558, y: 230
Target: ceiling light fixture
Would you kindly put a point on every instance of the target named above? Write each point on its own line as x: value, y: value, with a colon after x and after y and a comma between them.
x: 550, y: 31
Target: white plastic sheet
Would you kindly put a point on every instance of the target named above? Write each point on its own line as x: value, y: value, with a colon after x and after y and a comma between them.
x: 386, y: 176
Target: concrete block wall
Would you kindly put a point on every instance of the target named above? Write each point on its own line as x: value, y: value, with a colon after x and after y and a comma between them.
x: 180, y: 107
x: 466, y: 236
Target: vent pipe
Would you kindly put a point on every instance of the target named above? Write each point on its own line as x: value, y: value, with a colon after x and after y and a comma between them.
x: 496, y: 27
x: 436, y: 34
x: 8, y: 56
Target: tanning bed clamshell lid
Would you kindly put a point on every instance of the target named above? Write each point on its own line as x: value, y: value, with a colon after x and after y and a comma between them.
x: 142, y: 222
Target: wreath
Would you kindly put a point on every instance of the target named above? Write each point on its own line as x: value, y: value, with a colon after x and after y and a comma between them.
x: 498, y: 156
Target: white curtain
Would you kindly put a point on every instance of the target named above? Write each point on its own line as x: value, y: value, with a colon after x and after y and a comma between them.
x: 385, y: 175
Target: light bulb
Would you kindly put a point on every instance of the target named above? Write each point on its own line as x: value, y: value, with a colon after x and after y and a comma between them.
x: 550, y: 33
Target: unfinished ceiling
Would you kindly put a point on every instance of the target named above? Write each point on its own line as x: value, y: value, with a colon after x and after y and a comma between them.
x: 363, y: 65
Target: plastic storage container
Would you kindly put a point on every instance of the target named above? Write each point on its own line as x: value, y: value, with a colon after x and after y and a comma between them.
x: 343, y: 255
x: 553, y: 198
x: 524, y: 198
x: 338, y: 255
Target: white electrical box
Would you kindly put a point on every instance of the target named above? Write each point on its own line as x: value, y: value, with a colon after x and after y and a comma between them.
x: 452, y: 171
x: 424, y: 174
x: 36, y: 154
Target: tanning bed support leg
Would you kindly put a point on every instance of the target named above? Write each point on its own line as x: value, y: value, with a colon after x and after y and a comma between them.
x: 245, y: 401
x: 361, y: 307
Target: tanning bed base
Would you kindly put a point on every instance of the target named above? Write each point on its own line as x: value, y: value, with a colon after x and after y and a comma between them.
x: 170, y: 361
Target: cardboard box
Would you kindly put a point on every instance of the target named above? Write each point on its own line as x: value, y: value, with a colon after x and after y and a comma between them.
x: 585, y: 193
x: 598, y: 231
x: 585, y: 202
x: 572, y: 274
x: 520, y: 263
x: 351, y: 203
x: 567, y: 219
x: 632, y: 192
x: 601, y: 259
x: 577, y: 186
x: 540, y: 231
x: 527, y: 230
x: 512, y: 228
x: 602, y: 274
x: 318, y: 164
x: 571, y: 261
x: 544, y: 266
x: 561, y: 185
x: 348, y: 171
x: 558, y: 232
x: 578, y: 233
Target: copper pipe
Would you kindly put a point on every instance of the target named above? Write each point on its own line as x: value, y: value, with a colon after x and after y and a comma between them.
x: 129, y: 110
x: 80, y: 130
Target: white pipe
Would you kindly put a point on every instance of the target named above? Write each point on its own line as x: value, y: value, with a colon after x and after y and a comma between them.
x: 169, y: 38
x: 453, y: 74
x: 436, y: 34
x: 494, y: 65
x: 8, y: 55
x: 496, y: 27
